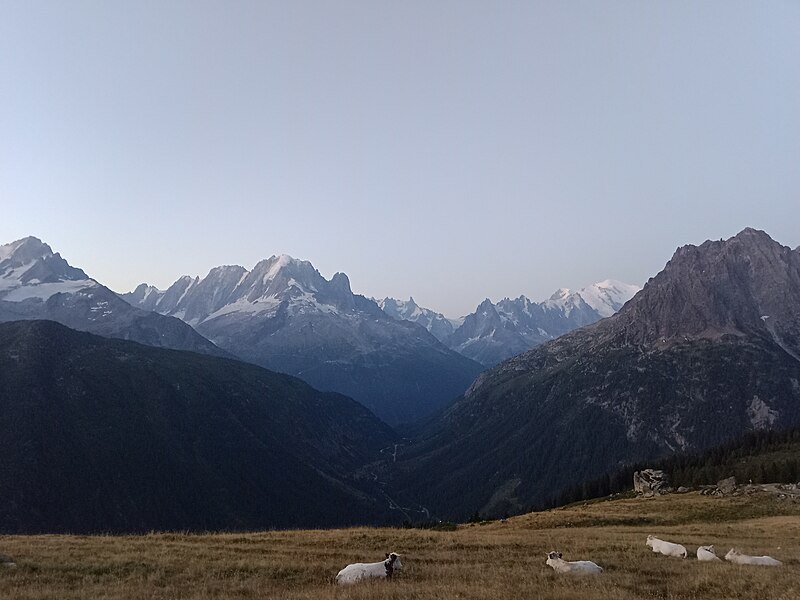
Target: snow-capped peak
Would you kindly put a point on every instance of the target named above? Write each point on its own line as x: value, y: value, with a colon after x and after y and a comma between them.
x: 608, y: 296
x: 30, y: 269
x: 560, y: 294
x: 25, y: 250
x: 277, y: 263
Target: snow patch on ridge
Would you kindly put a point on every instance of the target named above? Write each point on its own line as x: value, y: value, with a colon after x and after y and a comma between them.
x: 44, y: 291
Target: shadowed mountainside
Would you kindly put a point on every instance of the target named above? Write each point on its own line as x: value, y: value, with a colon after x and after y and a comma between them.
x: 107, y: 435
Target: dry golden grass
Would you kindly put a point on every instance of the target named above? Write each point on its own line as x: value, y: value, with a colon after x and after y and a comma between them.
x: 495, y: 560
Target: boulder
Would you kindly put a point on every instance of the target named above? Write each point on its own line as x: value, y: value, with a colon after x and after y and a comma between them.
x: 726, y: 486
x: 682, y: 489
x: 650, y: 482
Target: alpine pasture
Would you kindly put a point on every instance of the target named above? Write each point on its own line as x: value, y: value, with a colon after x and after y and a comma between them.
x: 473, y: 561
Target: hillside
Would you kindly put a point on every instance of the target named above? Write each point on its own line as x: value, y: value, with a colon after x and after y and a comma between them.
x: 105, y: 435
x: 706, y: 352
x: 760, y: 457
x: 474, y: 562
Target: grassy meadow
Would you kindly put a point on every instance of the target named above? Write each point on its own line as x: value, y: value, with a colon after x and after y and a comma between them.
x: 480, y: 561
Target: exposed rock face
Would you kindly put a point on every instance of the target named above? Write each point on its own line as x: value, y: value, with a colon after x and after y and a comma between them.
x: 706, y: 352
x: 726, y: 486
x: 650, y: 482
x: 747, y: 285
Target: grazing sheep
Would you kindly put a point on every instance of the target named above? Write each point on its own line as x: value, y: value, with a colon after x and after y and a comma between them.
x: 666, y: 548
x: 576, y: 567
x: 738, y: 558
x: 358, y: 571
x: 6, y: 561
x: 707, y: 553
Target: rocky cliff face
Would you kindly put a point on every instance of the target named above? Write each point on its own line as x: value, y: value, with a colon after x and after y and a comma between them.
x: 705, y: 352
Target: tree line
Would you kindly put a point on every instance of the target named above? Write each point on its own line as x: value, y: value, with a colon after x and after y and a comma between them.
x: 759, y: 457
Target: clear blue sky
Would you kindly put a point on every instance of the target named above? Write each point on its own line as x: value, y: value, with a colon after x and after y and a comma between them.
x: 445, y: 150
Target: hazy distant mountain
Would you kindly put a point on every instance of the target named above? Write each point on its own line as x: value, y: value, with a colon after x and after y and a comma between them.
x: 285, y: 316
x: 407, y: 310
x: 102, y: 435
x: 495, y: 332
x: 708, y: 350
x: 36, y: 283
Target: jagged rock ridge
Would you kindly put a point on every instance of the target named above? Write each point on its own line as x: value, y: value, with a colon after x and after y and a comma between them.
x: 36, y: 283
x: 284, y: 315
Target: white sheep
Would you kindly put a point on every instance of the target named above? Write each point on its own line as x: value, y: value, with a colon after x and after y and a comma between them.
x: 743, y: 559
x: 666, y: 548
x: 358, y: 571
x: 576, y: 567
x: 707, y: 553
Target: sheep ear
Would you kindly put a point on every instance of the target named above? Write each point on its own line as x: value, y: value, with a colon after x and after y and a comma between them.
x: 387, y: 555
x: 560, y: 555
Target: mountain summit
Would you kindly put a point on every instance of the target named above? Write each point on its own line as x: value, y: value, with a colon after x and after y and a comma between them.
x: 36, y: 283
x: 495, y: 332
x: 285, y: 316
x: 707, y: 351
x: 747, y: 285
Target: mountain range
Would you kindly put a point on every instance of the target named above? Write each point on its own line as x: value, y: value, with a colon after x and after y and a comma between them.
x: 285, y: 316
x: 111, y: 434
x: 36, y: 283
x: 495, y: 332
x: 708, y: 350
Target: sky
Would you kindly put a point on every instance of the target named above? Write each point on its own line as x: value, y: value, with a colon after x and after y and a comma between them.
x: 447, y: 150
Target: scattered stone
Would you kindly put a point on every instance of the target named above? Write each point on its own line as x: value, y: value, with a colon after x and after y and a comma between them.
x: 650, y: 482
x: 682, y: 489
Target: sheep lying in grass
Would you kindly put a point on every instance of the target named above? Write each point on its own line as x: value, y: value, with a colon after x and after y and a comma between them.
x: 738, y: 558
x: 577, y: 567
x: 666, y: 548
x: 707, y: 553
x: 358, y: 571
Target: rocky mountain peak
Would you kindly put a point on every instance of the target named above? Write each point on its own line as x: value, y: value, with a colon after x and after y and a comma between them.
x: 340, y: 284
x: 560, y: 294
x: 746, y: 284
x: 31, y: 261
x: 25, y: 250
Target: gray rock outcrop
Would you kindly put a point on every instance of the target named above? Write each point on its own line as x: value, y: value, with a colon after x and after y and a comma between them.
x: 650, y: 482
